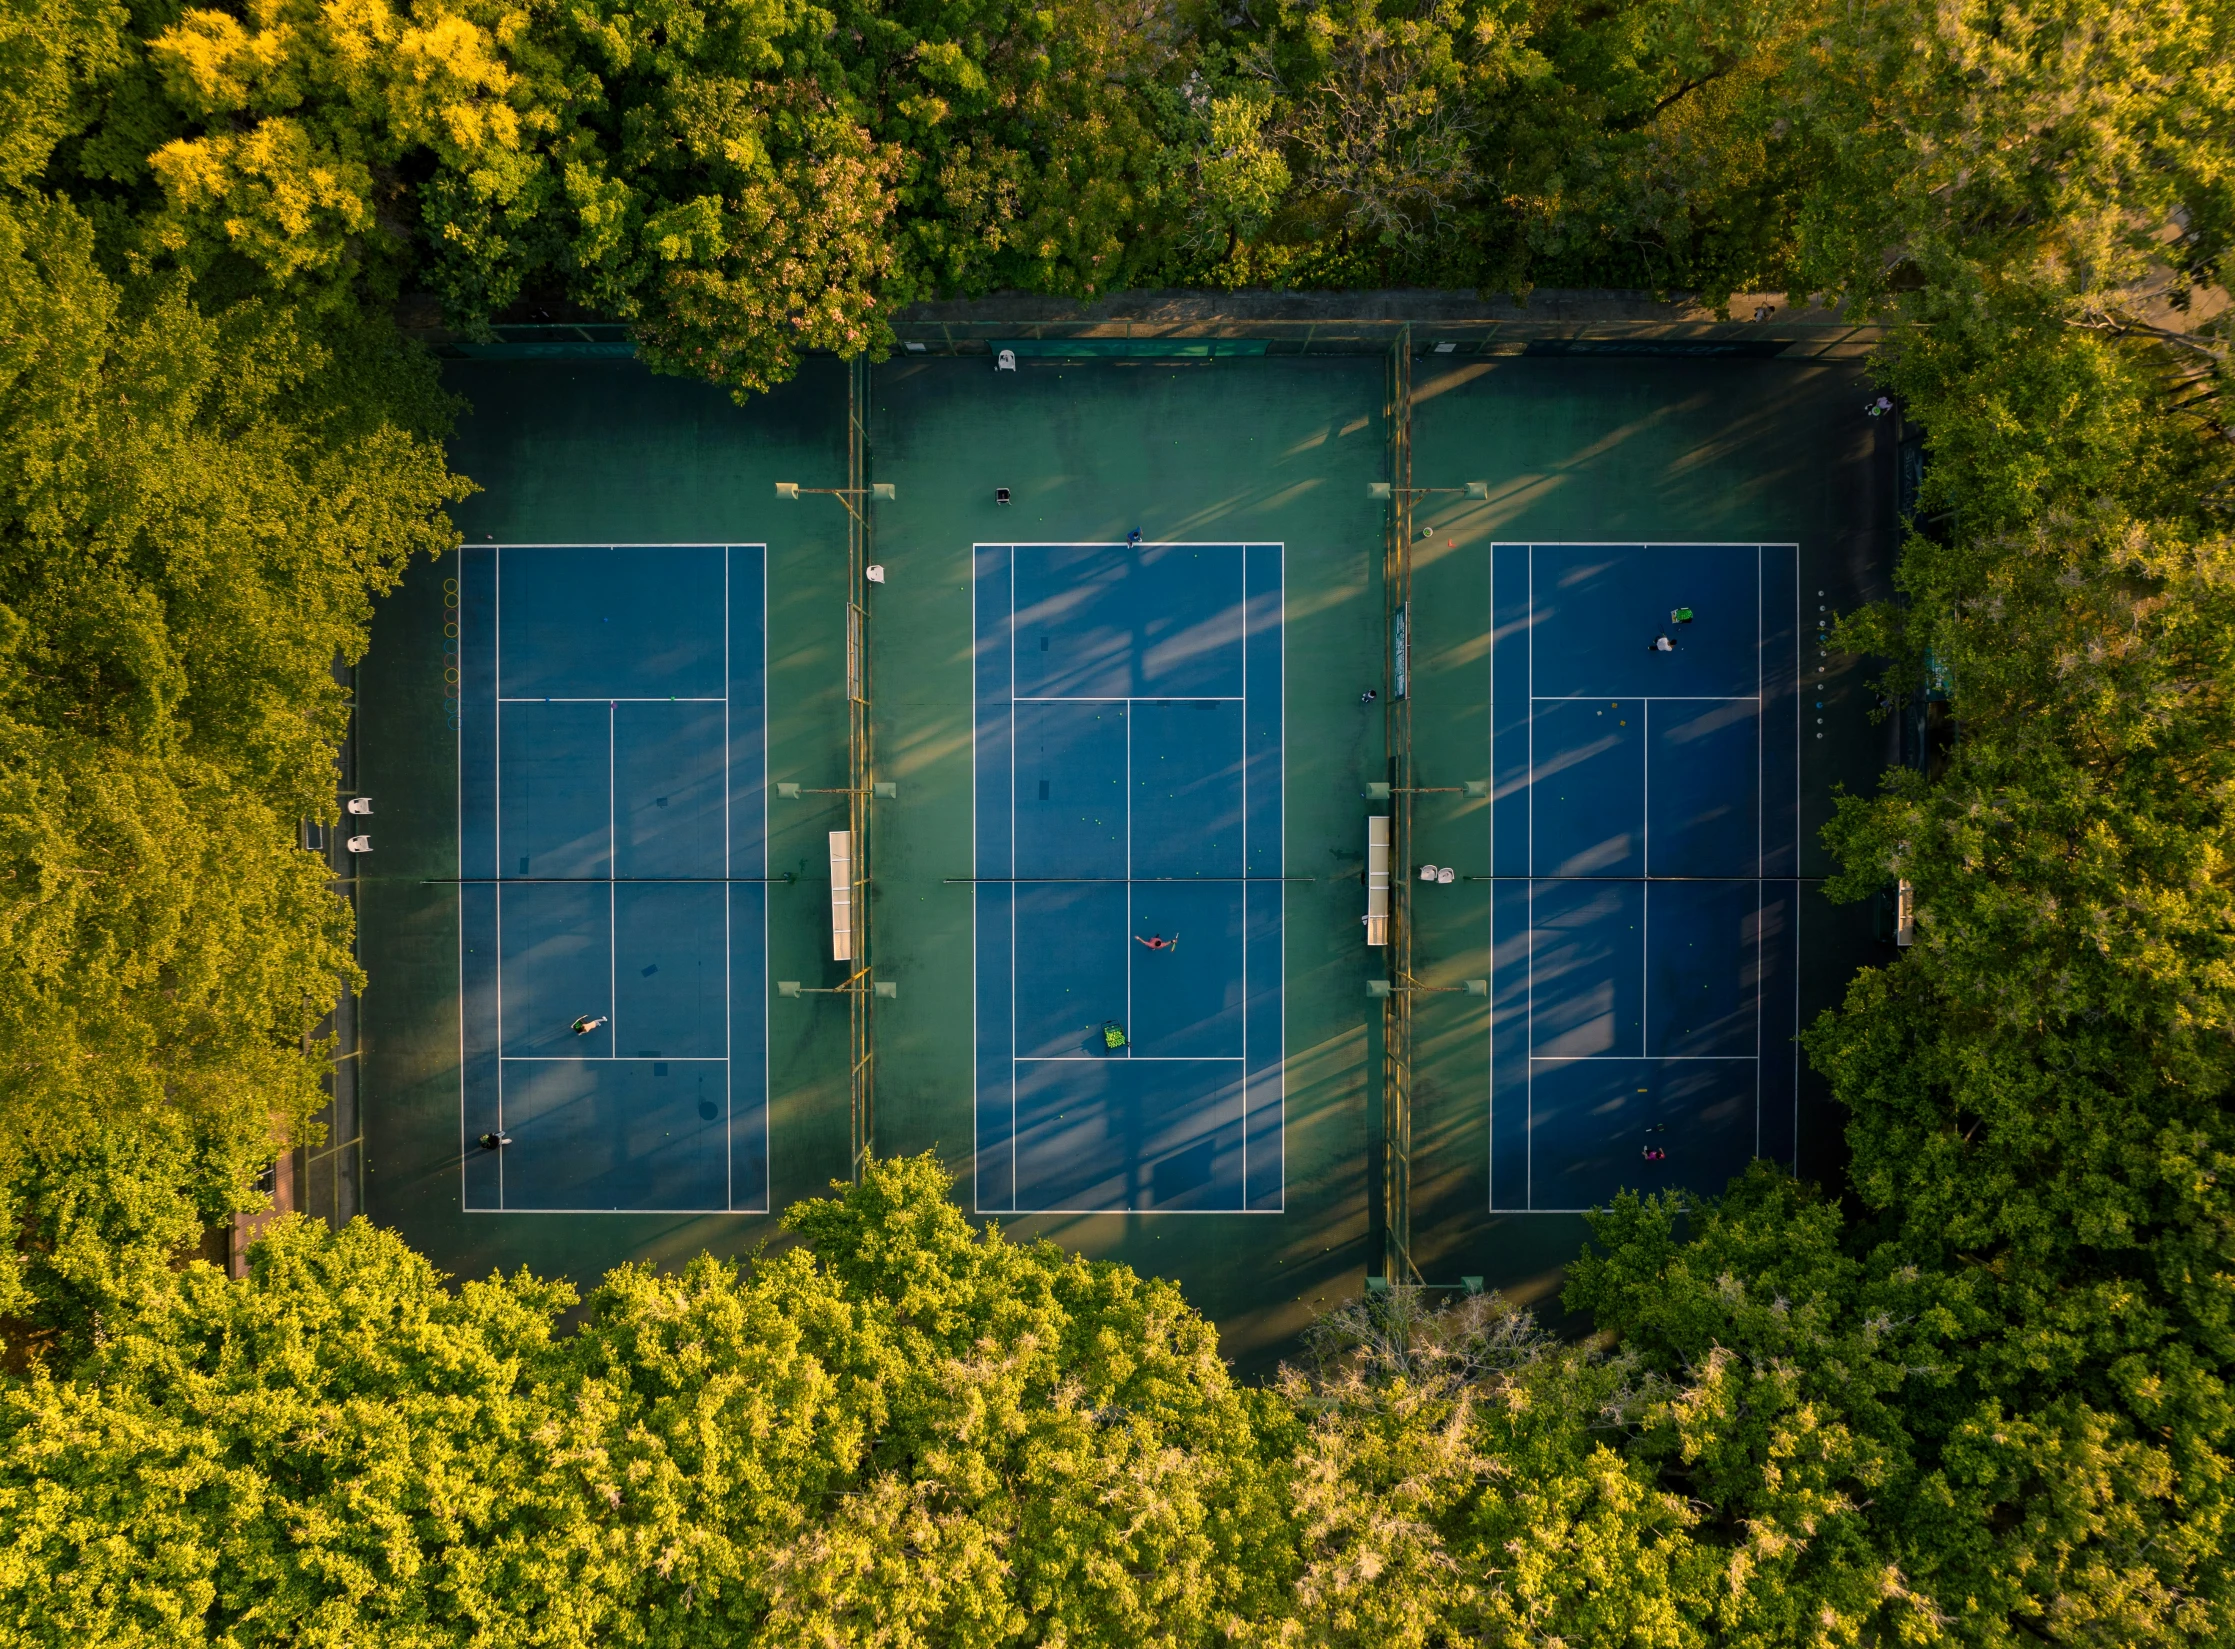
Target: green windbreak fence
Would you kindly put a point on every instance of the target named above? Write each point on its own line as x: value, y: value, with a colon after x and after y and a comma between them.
x: 1597, y: 479
x: 1129, y: 349
x: 596, y: 340
x: 588, y: 340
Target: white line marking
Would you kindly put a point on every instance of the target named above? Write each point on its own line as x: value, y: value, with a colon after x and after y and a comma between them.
x: 1008, y: 639
x: 458, y: 797
x: 1280, y: 868
x: 625, y: 698
x: 1244, y: 571
x: 1136, y: 698
x: 977, y: 937
x: 1236, y: 1212
x: 570, y: 1212
x: 497, y: 828
x: 729, y: 939
x: 614, y: 1059
x: 1760, y: 699
x: 1646, y: 698
x: 612, y: 890
x: 1631, y: 1059
x: 496, y: 823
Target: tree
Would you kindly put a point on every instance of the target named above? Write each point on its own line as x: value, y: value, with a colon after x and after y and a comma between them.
x: 2012, y: 1360
x: 909, y: 1432
x: 1458, y: 1475
x: 1866, y: 1470
x: 196, y: 512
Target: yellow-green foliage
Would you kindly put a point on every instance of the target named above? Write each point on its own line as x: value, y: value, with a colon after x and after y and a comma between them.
x: 905, y: 1431
x: 912, y: 1432
x: 1983, y: 1399
x: 1993, y: 1407
x: 188, y: 543
x: 197, y: 508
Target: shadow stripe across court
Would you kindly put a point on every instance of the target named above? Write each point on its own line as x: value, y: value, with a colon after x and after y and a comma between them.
x: 1645, y: 849
x: 611, y: 830
x: 1128, y: 862
x: 1129, y: 768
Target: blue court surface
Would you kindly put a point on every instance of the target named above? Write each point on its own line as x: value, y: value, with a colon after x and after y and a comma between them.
x: 1128, y: 774
x: 1645, y: 851
x: 611, y: 830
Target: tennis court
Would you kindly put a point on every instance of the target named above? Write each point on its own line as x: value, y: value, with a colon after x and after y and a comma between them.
x: 1128, y: 863
x: 611, y: 829
x: 1644, y: 841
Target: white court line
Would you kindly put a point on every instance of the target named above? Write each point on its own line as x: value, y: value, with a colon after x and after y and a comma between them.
x: 1280, y: 888
x: 612, y: 892
x: 1760, y: 700
x: 572, y: 1212
x: 1008, y: 640
x: 1645, y: 888
x: 614, y: 1059
x: 1490, y: 901
x: 1646, y: 698
x: 768, y: 1058
x: 496, y: 824
x: 1236, y: 1212
x: 977, y: 1157
x: 1143, y: 1059
x: 1135, y: 698
x: 624, y: 698
x: 612, y: 844
x: 729, y: 896
x: 458, y: 798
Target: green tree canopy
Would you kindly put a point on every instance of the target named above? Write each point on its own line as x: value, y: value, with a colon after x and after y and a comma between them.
x: 197, y: 508
x: 904, y: 1431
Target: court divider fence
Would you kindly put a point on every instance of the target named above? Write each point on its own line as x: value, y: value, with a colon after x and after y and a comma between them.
x: 860, y: 763
x: 1394, y: 1171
